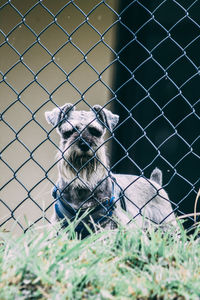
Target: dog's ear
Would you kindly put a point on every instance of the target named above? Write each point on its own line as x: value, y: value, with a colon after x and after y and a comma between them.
x: 56, y: 116
x: 106, y: 116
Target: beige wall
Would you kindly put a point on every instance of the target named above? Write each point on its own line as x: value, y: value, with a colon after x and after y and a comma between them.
x: 27, y: 169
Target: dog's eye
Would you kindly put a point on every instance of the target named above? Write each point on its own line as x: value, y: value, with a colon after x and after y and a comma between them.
x: 94, y: 131
x: 67, y: 134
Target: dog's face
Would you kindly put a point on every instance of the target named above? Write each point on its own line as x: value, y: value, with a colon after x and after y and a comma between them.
x: 82, y: 134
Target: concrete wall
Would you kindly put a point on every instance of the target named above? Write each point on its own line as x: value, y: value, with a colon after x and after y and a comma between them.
x: 31, y: 56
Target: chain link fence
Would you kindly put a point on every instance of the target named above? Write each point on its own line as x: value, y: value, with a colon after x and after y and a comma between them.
x: 140, y: 59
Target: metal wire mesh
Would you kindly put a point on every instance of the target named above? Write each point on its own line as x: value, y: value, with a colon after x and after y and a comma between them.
x: 81, y: 48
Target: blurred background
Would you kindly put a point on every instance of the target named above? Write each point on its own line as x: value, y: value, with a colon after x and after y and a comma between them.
x: 139, y: 58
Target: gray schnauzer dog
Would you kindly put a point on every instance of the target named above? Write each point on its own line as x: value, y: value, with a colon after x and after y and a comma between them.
x: 86, y: 187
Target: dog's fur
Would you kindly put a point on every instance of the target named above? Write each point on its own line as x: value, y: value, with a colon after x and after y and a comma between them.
x: 84, y: 176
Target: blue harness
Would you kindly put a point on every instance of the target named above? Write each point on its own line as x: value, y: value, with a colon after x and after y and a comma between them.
x: 64, y: 209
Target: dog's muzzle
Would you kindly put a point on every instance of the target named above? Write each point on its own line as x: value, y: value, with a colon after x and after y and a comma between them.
x: 83, y: 145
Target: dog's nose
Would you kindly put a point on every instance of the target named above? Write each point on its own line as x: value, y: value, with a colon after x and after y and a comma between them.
x: 83, y: 146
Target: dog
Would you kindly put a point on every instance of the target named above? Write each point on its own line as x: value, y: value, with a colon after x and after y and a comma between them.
x: 87, y: 188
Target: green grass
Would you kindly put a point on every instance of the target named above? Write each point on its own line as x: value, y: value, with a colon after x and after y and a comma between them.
x: 119, y: 264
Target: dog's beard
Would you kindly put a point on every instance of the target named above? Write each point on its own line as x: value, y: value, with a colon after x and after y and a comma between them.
x: 78, y: 162
x: 84, y: 170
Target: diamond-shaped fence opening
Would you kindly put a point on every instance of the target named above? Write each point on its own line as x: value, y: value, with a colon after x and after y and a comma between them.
x: 17, y: 34
x: 140, y: 59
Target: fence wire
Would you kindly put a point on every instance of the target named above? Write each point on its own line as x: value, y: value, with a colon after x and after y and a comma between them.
x: 76, y: 48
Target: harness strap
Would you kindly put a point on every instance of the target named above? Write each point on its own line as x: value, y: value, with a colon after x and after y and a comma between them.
x: 121, y: 194
x: 63, y: 208
x: 122, y: 201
